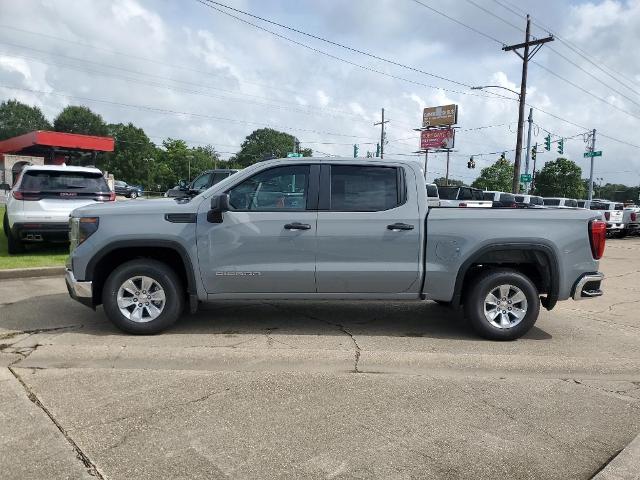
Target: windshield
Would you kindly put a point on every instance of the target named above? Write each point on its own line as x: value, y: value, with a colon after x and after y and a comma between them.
x: 571, y: 203
x: 432, y: 191
x: 553, y: 202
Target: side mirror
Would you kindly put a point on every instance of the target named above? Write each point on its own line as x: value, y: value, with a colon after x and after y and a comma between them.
x: 219, y: 205
x: 5, y: 186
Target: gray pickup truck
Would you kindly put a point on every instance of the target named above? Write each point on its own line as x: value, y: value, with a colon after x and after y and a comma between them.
x: 338, y: 229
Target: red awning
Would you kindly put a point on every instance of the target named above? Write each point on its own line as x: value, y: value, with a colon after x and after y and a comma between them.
x: 42, y: 139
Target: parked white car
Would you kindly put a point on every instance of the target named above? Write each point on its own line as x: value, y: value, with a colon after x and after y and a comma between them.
x: 39, y: 204
x: 433, y: 198
x: 452, y: 196
x: 529, y: 201
x: 560, y: 202
x: 613, y: 214
x: 631, y: 220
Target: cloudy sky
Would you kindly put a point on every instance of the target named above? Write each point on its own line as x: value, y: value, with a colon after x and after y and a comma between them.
x: 184, y: 70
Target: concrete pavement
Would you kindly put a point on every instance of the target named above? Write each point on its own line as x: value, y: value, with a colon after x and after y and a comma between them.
x: 319, y: 390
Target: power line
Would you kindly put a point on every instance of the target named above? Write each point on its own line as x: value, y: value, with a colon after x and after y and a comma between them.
x: 473, y: 29
x: 174, y: 112
x: 210, y: 3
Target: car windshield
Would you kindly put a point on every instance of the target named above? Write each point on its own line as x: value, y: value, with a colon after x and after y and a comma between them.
x: 432, y: 191
x: 487, y: 196
x: 571, y: 203
x: 553, y: 202
x: 507, y: 197
x: 61, y: 181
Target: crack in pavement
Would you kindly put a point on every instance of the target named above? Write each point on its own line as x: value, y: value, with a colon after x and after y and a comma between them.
x: 357, y: 349
x: 10, y: 335
x: 620, y: 393
x: 91, y: 468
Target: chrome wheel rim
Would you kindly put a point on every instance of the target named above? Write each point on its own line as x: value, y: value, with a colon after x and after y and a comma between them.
x: 505, y: 306
x: 141, y: 299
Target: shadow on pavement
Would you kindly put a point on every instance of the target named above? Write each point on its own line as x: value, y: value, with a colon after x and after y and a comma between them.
x: 393, y: 319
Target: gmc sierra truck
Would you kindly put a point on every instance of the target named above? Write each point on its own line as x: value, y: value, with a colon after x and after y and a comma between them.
x: 338, y: 229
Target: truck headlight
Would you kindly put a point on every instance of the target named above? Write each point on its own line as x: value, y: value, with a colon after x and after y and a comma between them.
x: 81, y: 228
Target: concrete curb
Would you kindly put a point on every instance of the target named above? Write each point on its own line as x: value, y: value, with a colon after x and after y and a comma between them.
x: 12, y: 273
x: 625, y: 466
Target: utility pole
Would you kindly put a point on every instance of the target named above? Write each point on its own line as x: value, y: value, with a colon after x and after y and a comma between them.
x: 526, y: 56
x: 593, y: 149
x: 381, y: 123
x: 527, y: 158
x: 446, y: 176
x: 426, y: 159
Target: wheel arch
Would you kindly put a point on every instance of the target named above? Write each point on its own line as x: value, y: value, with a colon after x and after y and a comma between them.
x: 535, y: 260
x: 169, y: 252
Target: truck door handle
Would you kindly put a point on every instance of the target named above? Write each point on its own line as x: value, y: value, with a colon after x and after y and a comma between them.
x: 297, y: 226
x: 395, y: 227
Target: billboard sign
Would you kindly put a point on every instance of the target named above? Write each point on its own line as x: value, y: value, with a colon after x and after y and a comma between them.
x: 443, y: 138
x: 440, y: 116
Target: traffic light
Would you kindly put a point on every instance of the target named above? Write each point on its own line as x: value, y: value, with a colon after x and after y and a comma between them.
x: 561, y: 146
x: 533, y: 153
x: 547, y: 142
x: 503, y: 156
x: 355, y: 151
x: 377, y: 150
x: 471, y: 163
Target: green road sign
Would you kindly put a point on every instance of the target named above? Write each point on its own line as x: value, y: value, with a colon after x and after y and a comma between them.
x: 593, y: 154
x: 525, y: 178
x: 293, y: 155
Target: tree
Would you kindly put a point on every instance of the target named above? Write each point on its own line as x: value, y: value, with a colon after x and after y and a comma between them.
x: 560, y: 178
x: 17, y: 118
x: 498, y: 176
x: 266, y: 143
x: 440, y: 181
x: 134, y: 156
x: 82, y: 120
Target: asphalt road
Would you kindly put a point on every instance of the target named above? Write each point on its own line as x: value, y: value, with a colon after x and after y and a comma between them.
x: 318, y: 390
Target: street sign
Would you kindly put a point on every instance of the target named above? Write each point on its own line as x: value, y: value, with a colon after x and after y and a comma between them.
x: 525, y: 178
x: 593, y: 154
x: 437, y: 139
x: 440, y: 116
x: 294, y: 155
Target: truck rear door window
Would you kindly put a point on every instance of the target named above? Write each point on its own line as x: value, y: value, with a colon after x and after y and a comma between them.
x: 448, y: 193
x: 536, y: 201
x: 432, y: 191
x: 364, y: 189
x: 487, y: 196
x: 279, y: 188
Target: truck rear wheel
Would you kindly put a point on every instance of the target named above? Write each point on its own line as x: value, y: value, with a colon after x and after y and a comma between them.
x: 143, y: 297
x: 502, y: 305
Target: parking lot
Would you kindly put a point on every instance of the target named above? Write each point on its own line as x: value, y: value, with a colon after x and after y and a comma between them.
x: 318, y: 390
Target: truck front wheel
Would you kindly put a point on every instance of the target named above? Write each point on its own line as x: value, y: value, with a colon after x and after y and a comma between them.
x: 502, y: 304
x: 143, y: 296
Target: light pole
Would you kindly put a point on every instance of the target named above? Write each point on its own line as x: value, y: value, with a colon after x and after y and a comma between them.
x: 495, y: 86
x: 189, y: 157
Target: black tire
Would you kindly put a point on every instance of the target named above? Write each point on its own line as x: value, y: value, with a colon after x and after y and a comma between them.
x: 160, y: 273
x: 14, y: 246
x: 484, y: 284
x: 133, y: 195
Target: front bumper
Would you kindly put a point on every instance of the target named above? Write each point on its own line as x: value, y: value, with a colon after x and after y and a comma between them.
x: 588, y: 286
x: 80, y: 291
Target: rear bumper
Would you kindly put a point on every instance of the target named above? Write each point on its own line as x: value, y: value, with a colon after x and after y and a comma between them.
x: 39, y: 231
x: 588, y: 286
x: 615, y: 226
x: 79, y: 291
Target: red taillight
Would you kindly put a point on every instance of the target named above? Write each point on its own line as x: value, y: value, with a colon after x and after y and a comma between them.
x: 112, y: 196
x: 607, y: 215
x: 634, y: 216
x: 597, y: 237
x: 18, y: 195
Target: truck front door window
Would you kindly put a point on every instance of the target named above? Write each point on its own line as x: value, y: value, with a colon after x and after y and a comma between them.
x: 280, y: 188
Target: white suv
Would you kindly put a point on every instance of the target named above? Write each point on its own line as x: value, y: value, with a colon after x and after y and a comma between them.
x: 39, y: 204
